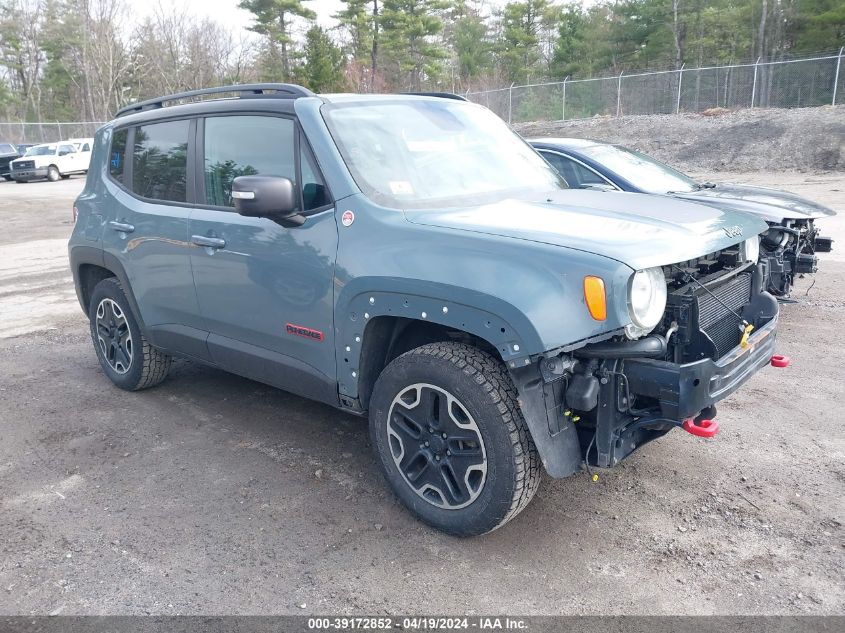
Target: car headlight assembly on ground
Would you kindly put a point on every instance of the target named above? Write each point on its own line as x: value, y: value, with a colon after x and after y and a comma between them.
x: 751, y: 249
x: 646, y: 301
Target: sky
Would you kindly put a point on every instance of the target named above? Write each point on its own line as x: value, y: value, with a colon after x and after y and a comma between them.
x: 227, y: 11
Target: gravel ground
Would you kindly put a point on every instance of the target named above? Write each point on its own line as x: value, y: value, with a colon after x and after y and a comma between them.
x: 806, y: 139
x: 213, y: 494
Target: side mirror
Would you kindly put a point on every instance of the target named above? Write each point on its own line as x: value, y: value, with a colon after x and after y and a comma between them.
x: 271, y: 197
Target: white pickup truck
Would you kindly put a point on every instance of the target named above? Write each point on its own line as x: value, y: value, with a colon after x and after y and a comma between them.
x: 51, y: 161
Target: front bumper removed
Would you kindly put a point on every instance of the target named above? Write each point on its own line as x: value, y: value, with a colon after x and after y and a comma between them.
x: 686, y: 395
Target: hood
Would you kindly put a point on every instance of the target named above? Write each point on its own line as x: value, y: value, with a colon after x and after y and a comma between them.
x: 772, y: 205
x: 34, y: 159
x: 638, y: 230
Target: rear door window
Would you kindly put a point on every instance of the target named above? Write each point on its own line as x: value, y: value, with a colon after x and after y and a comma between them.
x: 576, y: 174
x: 160, y: 161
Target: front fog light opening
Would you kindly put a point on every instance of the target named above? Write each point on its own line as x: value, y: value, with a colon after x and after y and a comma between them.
x: 646, y: 301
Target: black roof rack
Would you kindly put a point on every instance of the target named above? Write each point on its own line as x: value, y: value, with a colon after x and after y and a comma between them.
x: 284, y: 91
x: 442, y: 95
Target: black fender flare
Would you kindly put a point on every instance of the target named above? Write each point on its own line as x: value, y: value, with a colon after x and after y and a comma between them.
x: 80, y: 255
x: 512, y: 334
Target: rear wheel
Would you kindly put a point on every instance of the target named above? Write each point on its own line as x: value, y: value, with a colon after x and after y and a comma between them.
x: 53, y: 173
x: 126, y: 357
x: 450, y: 437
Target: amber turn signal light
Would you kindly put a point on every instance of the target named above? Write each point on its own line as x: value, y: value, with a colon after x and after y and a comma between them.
x: 595, y: 297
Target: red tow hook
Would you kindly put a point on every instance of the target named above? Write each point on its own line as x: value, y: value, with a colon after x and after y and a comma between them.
x: 702, y: 428
x: 779, y: 360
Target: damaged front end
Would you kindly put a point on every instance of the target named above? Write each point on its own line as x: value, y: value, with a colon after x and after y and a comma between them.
x: 788, y: 249
x: 718, y: 329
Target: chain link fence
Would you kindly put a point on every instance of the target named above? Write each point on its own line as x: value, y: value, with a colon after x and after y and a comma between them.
x: 791, y: 83
x: 19, y: 132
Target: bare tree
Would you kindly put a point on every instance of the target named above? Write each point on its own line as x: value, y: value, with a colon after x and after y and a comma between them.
x: 177, y: 52
x: 21, y: 50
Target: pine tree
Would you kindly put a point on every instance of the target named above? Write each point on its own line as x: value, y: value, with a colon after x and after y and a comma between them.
x: 360, y: 20
x: 409, y: 29
x: 273, y: 18
x: 323, y: 68
x: 470, y: 41
x: 519, y: 46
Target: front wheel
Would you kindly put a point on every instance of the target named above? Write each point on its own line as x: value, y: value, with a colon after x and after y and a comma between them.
x: 7, y: 177
x: 450, y: 437
x: 53, y: 173
x: 126, y: 357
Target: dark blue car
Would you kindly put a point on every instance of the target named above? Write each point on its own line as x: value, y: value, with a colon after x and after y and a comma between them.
x: 788, y: 248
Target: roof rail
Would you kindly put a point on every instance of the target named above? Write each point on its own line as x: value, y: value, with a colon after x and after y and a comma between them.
x: 442, y: 95
x: 285, y: 91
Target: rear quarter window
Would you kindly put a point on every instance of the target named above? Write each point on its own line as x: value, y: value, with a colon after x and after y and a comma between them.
x: 117, y: 155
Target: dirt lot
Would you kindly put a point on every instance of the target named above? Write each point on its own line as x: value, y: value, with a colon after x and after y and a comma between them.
x: 214, y: 494
x: 805, y: 139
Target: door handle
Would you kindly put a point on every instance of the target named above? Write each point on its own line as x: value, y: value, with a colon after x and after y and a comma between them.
x: 123, y: 227
x: 210, y: 242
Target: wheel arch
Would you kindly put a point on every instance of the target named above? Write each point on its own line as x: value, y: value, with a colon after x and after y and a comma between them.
x: 375, y: 325
x: 90, y: 266
x: 388, y: 337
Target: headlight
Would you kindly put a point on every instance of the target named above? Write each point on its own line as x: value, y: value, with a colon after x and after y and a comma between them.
x: 751, y: 249
x: 646, y: 301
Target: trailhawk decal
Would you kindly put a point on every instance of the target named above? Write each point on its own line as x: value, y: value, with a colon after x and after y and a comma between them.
x: 305, y: 332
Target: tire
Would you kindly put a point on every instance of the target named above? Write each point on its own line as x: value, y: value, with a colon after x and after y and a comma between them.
x: 7, y: 177
x: 126, y: 357
x: 53, y: 173
x: 467, y: 486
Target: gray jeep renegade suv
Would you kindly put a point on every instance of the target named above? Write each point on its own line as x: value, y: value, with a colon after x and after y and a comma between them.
x: 411, y: 257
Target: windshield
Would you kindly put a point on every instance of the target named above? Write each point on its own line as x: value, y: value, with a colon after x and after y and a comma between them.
x: 640, y: 170
x: 421, y: 153
x: 41, y: 150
